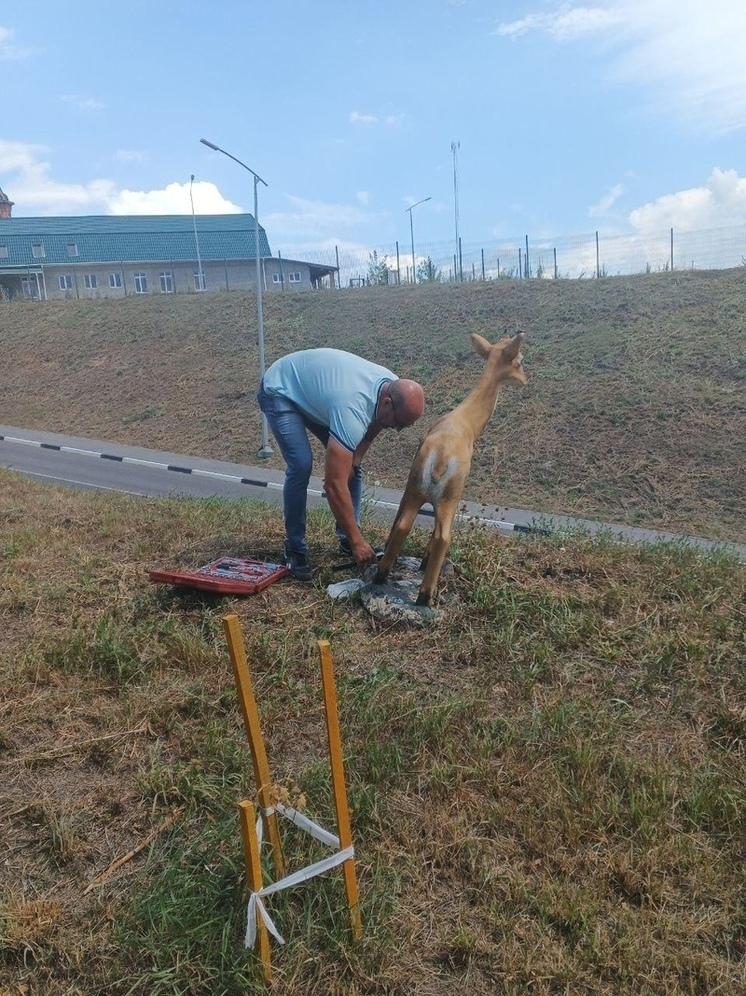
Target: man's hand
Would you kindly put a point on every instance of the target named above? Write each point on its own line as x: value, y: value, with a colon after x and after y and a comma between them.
x: 339, y: 469
x: 364, y: 554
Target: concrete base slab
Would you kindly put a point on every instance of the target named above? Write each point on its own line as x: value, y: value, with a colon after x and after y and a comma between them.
x: 395, y: 600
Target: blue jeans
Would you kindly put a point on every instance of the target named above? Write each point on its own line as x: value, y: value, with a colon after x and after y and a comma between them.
x: 290, y: 427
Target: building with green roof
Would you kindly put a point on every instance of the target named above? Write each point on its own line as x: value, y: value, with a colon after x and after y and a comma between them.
x: 117, y: 256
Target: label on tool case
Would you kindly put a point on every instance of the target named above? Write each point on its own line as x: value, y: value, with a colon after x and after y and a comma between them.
x: 226, y: 576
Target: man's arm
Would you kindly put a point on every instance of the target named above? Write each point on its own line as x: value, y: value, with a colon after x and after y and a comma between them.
x: 338, y: 470
x: 364, y: 445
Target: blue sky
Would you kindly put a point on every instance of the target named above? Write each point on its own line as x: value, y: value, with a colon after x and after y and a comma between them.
x: 621, y: 116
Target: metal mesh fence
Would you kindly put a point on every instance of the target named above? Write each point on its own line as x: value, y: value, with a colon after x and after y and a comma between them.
x: 569, y: 257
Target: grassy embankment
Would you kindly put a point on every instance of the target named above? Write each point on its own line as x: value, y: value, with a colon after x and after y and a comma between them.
x: 548, y: 788
x: 636, y: 410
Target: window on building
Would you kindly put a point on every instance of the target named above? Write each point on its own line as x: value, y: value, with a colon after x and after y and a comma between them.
x: 141, y: 283
x: 276, y: 278
x: 29, y: 288
x: 66, y: 282
x: 3, y: 252
x: 90, y: 281
x: 166, y: 280
x: 200, y: 283
x: 37, y: 250
x: 72, y: 249
x: 115, y: 280
x: 294, y: 277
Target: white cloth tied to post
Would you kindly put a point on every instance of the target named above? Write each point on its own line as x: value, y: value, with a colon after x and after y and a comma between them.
x: 302, y: 875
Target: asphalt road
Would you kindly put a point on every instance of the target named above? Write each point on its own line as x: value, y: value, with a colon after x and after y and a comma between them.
x: 92, y: 464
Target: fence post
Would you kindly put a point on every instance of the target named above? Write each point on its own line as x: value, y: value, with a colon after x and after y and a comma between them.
x: 282, y: 275
x: 555, y: 262
x: 520, y: 263
x: 460, y: 262
x: 339, y: 275
x: 598, y: 260
x: 398, y: 265
x: 483, y: 277
x: 528, y: 267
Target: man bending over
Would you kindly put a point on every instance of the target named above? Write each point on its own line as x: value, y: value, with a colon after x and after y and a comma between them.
x: 344, y: 401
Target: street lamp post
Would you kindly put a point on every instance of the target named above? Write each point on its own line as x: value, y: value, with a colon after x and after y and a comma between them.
x: 265, y: 450
x: 200, y: 277
x: 411, y: 233
x: 457, y: 273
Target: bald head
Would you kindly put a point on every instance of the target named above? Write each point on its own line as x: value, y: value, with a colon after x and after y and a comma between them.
x: 407, y: 400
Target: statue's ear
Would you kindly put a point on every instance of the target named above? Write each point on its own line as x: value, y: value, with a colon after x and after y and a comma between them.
x: 480, y: 345
x: 514, y: 347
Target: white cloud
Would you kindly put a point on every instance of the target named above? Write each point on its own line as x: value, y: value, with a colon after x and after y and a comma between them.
x: 130, y: 156
x: 357, y: 118
x: 30, y: 185
x: 689, y: 54
x: 9, y: 51
x: 34, y: 192
x: 315, y: 219
x: 607, y: 202
x: 80, y: 103
x: 173, y: 199
x: 720, y: 203
x: 363, y: 197
x: 369, y: 119
x: 20, y: 156
x: 564, y: 24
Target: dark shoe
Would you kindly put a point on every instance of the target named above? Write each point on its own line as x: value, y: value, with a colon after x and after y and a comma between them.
x: 344, y: 546
x: 300, y: 569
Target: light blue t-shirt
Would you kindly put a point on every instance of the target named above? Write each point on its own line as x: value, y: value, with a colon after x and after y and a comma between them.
x: 331, y: 387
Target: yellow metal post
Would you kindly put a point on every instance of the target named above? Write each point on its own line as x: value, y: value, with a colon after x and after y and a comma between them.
x: 253, y: 729
x: 338, y: 784
x: 253, y: 865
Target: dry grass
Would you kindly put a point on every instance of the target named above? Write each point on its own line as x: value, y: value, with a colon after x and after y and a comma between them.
x: 548, y: 788
x: 635, y: 413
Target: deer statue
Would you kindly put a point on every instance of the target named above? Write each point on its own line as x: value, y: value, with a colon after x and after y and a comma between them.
x: 442, y: 463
